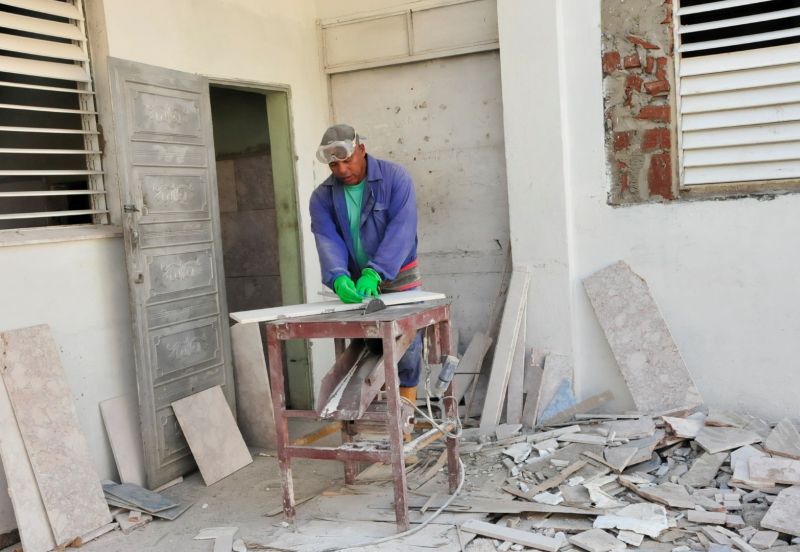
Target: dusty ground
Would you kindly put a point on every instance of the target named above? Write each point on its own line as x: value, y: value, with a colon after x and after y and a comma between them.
x: 336, y: 520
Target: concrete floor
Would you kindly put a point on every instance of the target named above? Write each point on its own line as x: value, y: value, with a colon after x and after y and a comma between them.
x: 250, y: 500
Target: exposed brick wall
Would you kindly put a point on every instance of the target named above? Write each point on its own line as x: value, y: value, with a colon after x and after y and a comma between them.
x: 639, y: 100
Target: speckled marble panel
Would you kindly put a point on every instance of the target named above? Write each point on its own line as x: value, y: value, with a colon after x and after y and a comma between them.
x: 34, y: 528
x: 640, y: 340
x: 210, y: 430
x: 42, y: 403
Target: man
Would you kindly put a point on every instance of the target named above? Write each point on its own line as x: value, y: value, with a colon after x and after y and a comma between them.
x: 364, y: 220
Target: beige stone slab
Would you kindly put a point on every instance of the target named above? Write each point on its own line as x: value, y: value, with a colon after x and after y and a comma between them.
x: 58, y: 452
x: 121, y: 419
x: 763, y: 540
x: 741, y: 466
x: 703, y: 470
x: 669, y: 494
x: 784, y: 514
x: 525, y: 538
x: 718, y: 439
x: 208, y: 425
x: 641, y: 341
x: 253, y: 396
x: 775, y: 470
x: 631, y: 429
x: 597, y: 540
x: 785, y: 438
x: 687, y: 428
x: 717, y: 518
x: 32, y: 522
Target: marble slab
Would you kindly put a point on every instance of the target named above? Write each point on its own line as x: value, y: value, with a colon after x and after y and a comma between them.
x: 597, y: 540
x: 785, y: 438
x: 47, y: 420
x: 121, y: 418
x: 642, y: 344
x: 253, y: 398
x: 784, y: 514
x: 784, y: 471
x: 32, y: 523
x: 718, y: 439
x: 215, y: 440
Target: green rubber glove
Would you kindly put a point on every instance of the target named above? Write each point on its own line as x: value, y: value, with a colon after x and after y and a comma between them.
x: 346, y: 289
x: 367, y: 285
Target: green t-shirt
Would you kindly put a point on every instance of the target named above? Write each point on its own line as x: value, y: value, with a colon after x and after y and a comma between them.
x: 353, y: 195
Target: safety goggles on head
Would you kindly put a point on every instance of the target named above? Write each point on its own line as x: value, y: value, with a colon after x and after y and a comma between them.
x: 339, y: 150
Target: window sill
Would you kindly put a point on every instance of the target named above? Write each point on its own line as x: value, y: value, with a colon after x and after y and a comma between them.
x: 54, y: 234
x: 766, y: 188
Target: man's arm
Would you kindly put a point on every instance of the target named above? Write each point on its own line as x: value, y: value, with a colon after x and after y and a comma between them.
x: 401, y: 232
x: 331, y: 248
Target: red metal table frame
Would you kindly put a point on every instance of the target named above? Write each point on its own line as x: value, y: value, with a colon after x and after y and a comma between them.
x: 387, y: 325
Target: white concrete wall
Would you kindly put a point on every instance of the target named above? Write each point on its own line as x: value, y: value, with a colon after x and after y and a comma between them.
x: 723, y: 272
x: 79, y: 289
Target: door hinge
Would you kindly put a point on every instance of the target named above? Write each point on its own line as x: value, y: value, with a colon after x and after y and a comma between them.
x: 139, y: 279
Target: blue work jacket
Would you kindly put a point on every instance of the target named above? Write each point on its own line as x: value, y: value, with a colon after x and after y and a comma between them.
x: 388, y: 223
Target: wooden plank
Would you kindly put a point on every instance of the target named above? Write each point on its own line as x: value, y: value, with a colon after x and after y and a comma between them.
x: 503, y: 356
x: 533, y: 382
x: 640, y: 340
x: 47, y: 420
x: 32, y: 522
x: 253, y: 397
x: 208, y: 425
x: 325, y: 307
x: 515, y: 391
x: 525, y: 538
x: 121, y: 418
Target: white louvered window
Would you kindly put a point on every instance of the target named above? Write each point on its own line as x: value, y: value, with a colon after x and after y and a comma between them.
x: 739, y: 90
x: 50, y: 167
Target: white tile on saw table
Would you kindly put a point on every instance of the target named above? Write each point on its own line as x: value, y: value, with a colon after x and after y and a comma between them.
x: 121, y: 418
x: 32, y: 522
x: 45, y: 413
x: 212, y: 434
x: 325, y: 307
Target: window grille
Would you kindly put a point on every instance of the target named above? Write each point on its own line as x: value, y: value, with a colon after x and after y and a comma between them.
x: 50, y: 165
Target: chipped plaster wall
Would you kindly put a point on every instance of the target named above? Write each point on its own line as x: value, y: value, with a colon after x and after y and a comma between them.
x: 638, y: 95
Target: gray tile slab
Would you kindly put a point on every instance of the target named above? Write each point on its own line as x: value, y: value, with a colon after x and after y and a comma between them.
x: 784, y: 514
x: 250, y: 243
x: 254, y: 187
x: 718, y: 439
x: 121, y: 419
x: 597, y: 540
x: 703, y: 470
x: 640, y: 340
x: 58, y: 452
x: 145, y: 500
x: 253, y: 398
x: 226, y: 185
x: 785, y: 438
x: 212, y: 434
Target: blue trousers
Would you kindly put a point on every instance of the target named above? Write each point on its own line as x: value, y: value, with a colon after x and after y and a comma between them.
x: 409, y: 367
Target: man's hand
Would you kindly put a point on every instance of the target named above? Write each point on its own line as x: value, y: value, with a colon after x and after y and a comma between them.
x: 367, y: 285
x: 346, y: 289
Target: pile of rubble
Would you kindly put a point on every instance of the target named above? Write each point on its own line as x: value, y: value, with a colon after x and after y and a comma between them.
x: 707, y: 481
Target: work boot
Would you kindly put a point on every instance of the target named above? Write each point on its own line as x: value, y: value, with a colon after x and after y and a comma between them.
x: 409, y: 393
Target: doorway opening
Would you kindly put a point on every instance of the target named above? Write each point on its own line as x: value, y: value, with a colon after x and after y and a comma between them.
x: 258, y: 212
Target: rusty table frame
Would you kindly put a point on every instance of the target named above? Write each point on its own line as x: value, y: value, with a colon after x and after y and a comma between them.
x: 387, y: 325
